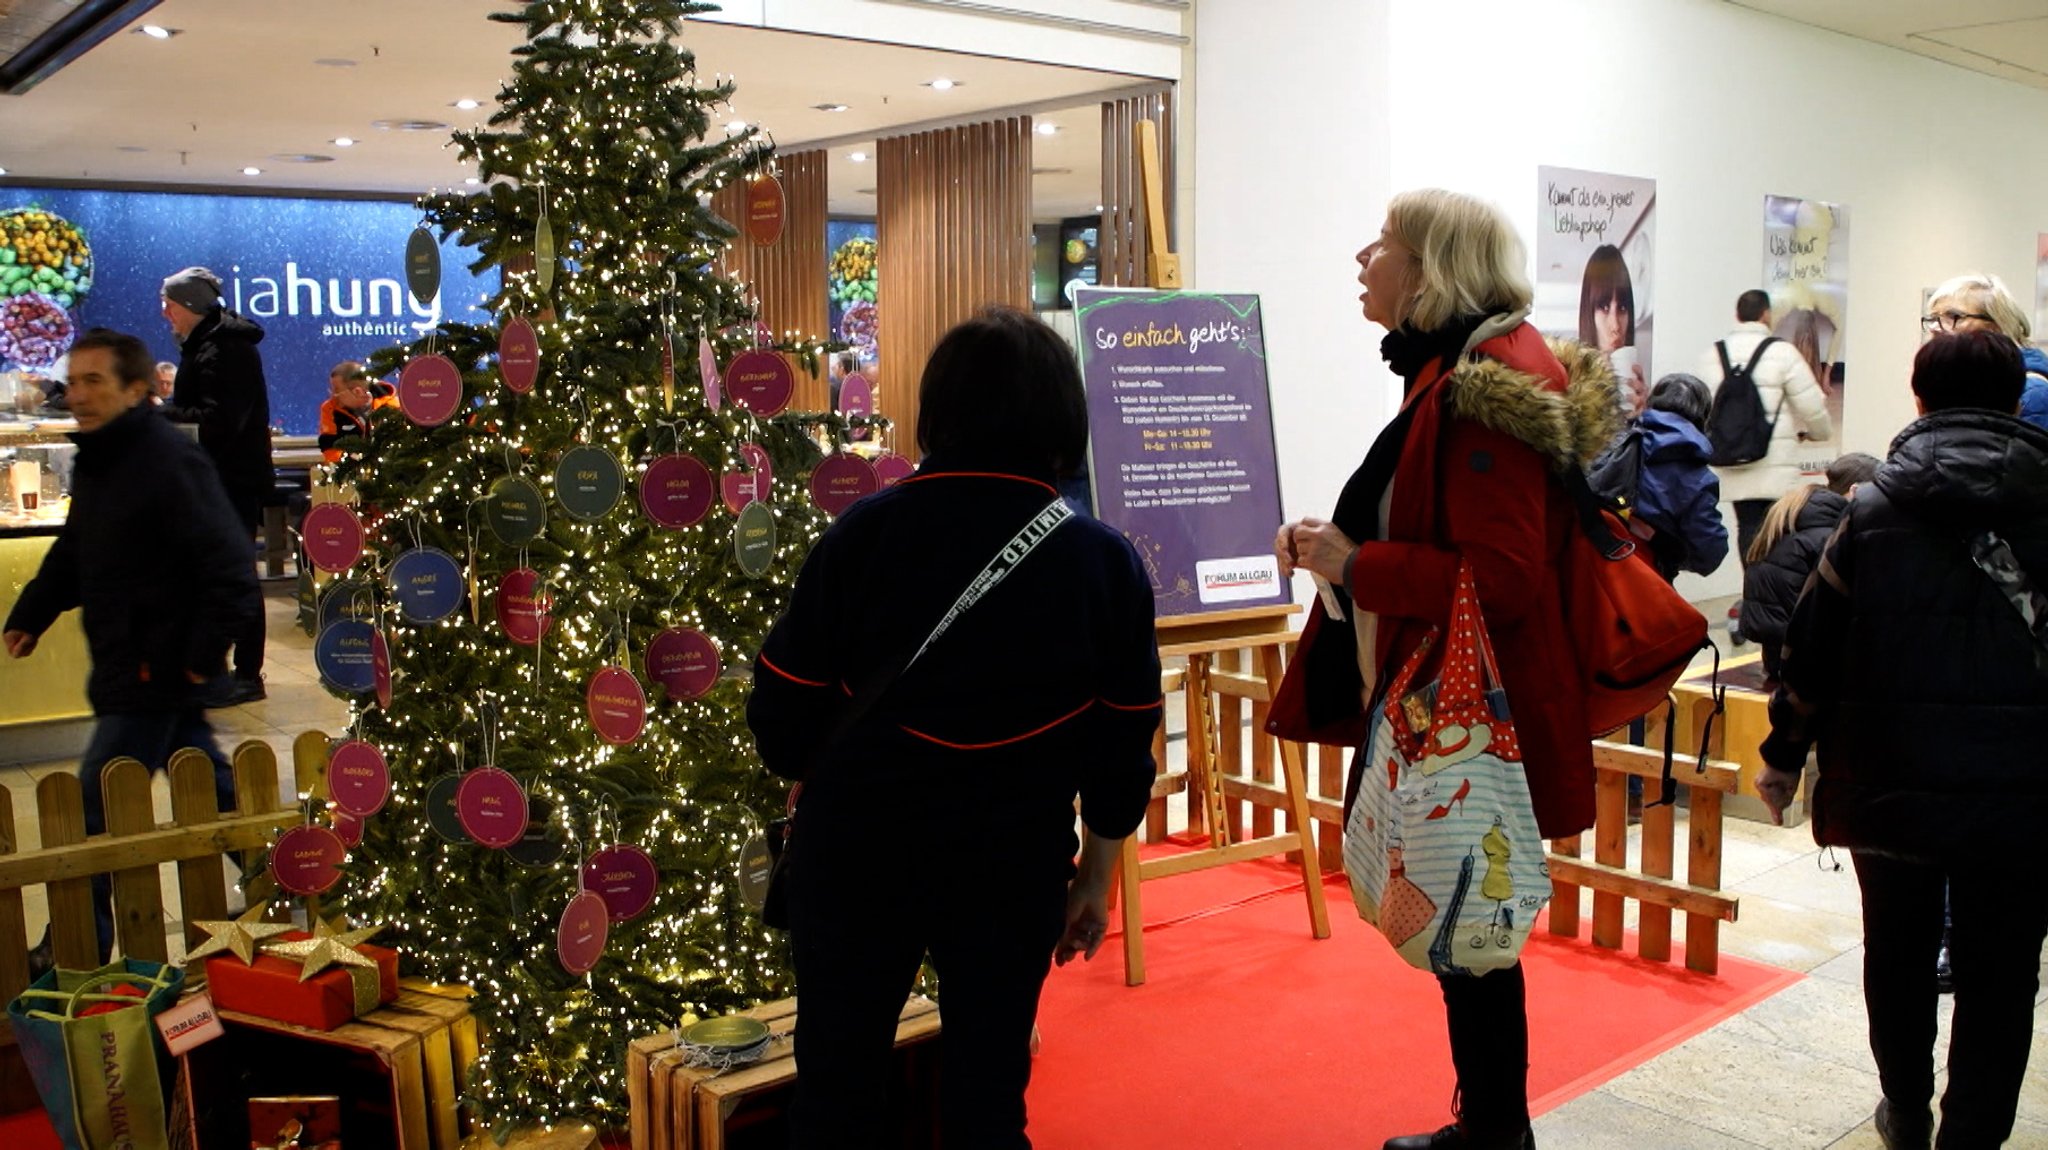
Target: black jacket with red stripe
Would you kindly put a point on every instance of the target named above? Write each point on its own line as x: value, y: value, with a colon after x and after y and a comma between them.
x: 1047, y: 688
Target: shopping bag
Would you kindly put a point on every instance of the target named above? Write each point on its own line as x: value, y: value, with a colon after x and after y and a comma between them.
x: 1441, y: 845
x: 100, y: 1075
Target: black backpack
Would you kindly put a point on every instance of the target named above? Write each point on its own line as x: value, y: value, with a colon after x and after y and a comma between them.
x: 1736, y: 426
x: 1617, y: 473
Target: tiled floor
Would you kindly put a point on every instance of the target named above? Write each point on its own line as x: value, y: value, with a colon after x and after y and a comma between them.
x: 1791, y: 1073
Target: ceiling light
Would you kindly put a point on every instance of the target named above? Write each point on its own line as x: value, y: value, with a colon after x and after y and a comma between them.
x: 3, y: 171
x: 409, y: 125
x: 130, y: 148
x: 158, y: 31
x: 829, y: 107
x: 736, y: 126
x: 301, y: 158
x: 941, y: 84
x: 1052, y: 171
x: 344, y: 141
x: 333, y: 62
x: 472, y: 181
x: 465, y: 103
x: 1098, y: 207
x: 1046, y: 128
x: 857, y: 157
x: 252, y: 171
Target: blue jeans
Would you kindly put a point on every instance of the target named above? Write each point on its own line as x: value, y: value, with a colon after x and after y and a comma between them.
x: 148, y: 737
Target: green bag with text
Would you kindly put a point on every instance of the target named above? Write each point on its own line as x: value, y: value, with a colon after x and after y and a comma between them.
x: 91, y: 1044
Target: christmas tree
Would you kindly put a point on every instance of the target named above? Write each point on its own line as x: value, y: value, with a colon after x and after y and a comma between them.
x: 529, y: 541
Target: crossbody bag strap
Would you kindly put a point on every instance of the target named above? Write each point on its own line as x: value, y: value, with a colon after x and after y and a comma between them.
x: 1993, y: 556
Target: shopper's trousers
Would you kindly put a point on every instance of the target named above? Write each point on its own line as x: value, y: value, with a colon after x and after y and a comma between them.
x: 1489, y: 1023
x: 1995, y: 953
x: 250, y: 637
x: 864, y: 912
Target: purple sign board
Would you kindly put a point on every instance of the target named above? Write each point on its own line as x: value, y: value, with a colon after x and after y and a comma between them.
x: 1180, y: 442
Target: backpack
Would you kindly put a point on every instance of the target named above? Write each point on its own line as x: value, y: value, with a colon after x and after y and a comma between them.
x: 1735, y: 422
x: 1617, y: 475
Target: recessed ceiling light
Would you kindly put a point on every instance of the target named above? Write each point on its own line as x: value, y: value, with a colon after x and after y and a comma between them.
x: 344, y: 141
x: 409, y: 125
x: 1098, y: 207
x: 941, y: 84
x: 857, y: 157
x: 1046, y: 128
x: 829, y: 107
x: 130, y: 148
x: 3, y: 171
x: 333, y: 62
x: 1052, y: 171
x: 472, y: 181
x: 465, y: 103
x: 158, y: 31
x: 736, y: 126
x: 301, y: 158
x: 252, y: 171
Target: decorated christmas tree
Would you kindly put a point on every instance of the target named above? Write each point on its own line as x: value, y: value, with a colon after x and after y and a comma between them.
x: 564, y: 517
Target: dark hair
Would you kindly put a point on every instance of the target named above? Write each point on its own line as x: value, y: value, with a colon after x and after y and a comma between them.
x: 349, y: 369
x: 849, y: 363
x: 1606, y: 281
x: 132, y: 361
x: 1002, y: 388
x: 1969, y: 369
x: 1753, y: 305
x: 1684, y: 396
x: 1850, y: 469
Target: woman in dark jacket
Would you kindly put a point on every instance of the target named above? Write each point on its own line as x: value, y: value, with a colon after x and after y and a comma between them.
x: 940, y: 817
x: 1788, y: 546
x: 1909, y: 662
x: 1466, y: 471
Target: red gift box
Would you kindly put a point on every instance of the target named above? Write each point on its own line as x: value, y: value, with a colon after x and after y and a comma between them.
x: 271, y: 988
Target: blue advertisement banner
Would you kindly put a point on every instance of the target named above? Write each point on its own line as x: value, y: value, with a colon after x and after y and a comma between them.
x: 325, y: 279
x: 1180, y: 432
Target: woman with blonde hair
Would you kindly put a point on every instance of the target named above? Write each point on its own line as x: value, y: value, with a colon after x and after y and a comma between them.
x: 1788, y: 546
x: 1468, y: 471
x: 1976, y: 301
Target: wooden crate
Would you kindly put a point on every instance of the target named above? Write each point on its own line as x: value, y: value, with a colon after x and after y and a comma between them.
x: 679, y: 1107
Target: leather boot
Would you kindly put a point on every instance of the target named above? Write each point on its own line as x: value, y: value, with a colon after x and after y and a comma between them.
x: 1456, y: 1137
x: 1903, y: 1129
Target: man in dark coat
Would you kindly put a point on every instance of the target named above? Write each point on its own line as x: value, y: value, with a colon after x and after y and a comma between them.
x: 155, y: 558
x: 1916, y: 660
x: 220, y: 387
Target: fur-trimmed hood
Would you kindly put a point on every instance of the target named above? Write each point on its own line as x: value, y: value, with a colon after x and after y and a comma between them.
x: 1566, y: 428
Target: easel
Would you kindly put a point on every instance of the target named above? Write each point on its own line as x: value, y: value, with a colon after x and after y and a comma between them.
x: 1259, y: 632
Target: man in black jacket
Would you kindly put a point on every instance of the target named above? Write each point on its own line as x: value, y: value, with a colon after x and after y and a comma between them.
x: 220, y: 387
x: 157, y: 562
x: 1913, y: 659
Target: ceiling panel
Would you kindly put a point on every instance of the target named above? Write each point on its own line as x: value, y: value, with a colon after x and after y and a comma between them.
x: 2003, y: 38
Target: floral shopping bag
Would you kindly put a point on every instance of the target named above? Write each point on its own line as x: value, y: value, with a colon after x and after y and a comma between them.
x: 1441, y: 843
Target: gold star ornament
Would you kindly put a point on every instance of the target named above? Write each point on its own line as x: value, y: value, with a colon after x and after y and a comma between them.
x: 240, y: 937
x: 329, y: 946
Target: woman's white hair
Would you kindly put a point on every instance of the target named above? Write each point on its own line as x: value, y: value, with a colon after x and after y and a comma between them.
x: 1469, y: 259
x: 1979, y: 292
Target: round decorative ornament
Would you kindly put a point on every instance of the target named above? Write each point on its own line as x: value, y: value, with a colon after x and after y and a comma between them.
x: 347, y: 827
x: 753, y: 540
x: 676, y: 491
x: 347, y: 599
x: 617, y: 705
x: 753, y: 481
x: 442, y: 814
x: 307, y: 860
x: 343, y: 656
x: 358, y: 778
x: 430, y: 390
x: 541, y: 846
x: 333, y: 537
x: 522, y: 606
x: 767, y: 210
x: 492, y: 807
x: 707, y: 370
x: 856, y: 395
x: 423, y: 265
x: 519, y: 355
x: 757, y: 862
x: 516, y: 511
x: 427, y: 584
x: 624, y: 877
x: 684, y: 661
x: 588, y: 483
x: 723, y: 1043
x: 840, y: 480
x: 761, y: 382
x: 579, y: 941
x: 892, y: 469
x: 380, y: 668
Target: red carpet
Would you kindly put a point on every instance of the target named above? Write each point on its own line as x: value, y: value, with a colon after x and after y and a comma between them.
x: 1249, y: 1033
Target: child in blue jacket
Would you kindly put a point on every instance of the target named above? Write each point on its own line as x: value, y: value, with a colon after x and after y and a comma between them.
x: 1674, y: 507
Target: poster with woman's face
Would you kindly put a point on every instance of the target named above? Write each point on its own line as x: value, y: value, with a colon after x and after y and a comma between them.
x: 1595, y: 248
x: 1806, y: 270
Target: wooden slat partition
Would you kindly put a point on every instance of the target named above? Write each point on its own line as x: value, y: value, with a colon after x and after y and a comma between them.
x: 788, y: 277
x: 954, y: 231
x: 1122, y: 247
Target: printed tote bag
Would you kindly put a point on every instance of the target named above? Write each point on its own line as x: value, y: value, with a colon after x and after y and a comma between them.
x: 1441, y: 844
x: 92, y: 1047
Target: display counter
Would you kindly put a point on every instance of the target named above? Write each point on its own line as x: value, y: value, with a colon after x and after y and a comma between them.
x: 48, y: 687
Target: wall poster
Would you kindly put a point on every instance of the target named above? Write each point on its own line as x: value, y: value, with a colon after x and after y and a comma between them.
x: 1595, y: 253
x: 1806, y: 270
x: 1181, y: 451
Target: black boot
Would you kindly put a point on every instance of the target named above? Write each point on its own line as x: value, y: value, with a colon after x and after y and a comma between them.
x: 1903, y: 1129
x: 1456, y: 1137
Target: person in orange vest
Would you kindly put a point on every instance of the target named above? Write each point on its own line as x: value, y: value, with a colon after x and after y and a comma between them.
x: 347, y: 408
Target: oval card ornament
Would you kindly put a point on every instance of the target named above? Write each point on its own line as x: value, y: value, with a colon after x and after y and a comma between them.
x: 676, y: 491
x: 343, y: 656
x: 333, y: 537
x: 541, y: 846
x: 753, y: 540
x: 856, y: 395
x: 522, y: 606
x: 492, y: 807
x: 423, y: 265
x: 442, y: 815
x: 519, y: 355
x: 516, y: 510
x: 757, y: 862
x: 707, y: 370
x: 579, y: 941
x: 840, y: 480
x: 427, y: 584
x: 760, y: 381
x: 358, y: 778
x: 767, y: 208
x: 588, y: 483
x: 624, y: 877
x: 347, y: 827
x: 617, y: 705
x: 430, y: 390
x: 307, y: 860
x: 380, y: 668
x: 684, y: 661
x: 892, y: 469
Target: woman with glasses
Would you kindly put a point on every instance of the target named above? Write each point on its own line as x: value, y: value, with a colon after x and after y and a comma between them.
x: 1975, y: 301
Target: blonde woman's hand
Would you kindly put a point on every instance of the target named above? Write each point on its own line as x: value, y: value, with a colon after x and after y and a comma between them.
x: 1320, y: 547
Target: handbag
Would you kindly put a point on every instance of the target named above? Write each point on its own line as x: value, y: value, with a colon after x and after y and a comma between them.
x: 96, y: 1057
x: 1993, y: 556
x: 1440, y: 844
x: 775, y: 902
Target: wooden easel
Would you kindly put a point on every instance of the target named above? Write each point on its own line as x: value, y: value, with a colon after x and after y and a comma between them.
x: 1260, y: 633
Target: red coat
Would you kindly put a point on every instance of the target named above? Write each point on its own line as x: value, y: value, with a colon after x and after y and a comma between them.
x: 1475, y: 480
